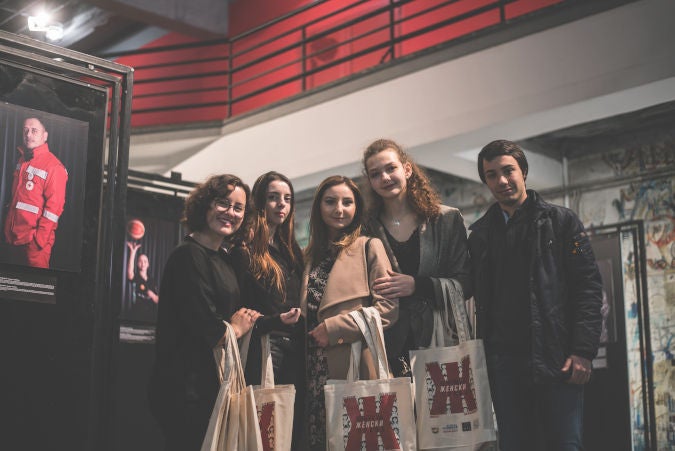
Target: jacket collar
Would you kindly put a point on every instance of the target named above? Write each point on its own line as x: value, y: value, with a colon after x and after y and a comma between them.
x: 538, y: 205
x: 37, y: 152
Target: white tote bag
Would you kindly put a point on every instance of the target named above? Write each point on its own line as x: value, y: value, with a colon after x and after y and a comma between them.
x: 369, y: 415
x: 452, y: 392
x: 234, y: 421
x: 274, y: 405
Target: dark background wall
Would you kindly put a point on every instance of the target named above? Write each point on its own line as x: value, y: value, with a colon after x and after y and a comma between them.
x: 135, y: 428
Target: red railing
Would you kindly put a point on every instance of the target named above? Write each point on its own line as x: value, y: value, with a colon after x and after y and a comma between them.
x: 320, y: 44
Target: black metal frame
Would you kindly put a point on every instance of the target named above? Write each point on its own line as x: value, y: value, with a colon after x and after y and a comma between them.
x: 118, y: 80
x: 637, y: 230
x: 173, y: 185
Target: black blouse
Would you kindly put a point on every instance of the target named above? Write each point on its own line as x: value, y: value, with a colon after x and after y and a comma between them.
x: 199, y: 290
x: 407, y: 255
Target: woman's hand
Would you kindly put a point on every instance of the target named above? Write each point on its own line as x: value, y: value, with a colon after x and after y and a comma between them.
x: 243, y: 319
x: 394, y: 286
x: 320, y: 335
x: 290, y: 317
x: 133, y: 247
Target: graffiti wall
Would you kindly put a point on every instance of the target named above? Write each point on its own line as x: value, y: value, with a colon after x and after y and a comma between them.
x: 651, y: 200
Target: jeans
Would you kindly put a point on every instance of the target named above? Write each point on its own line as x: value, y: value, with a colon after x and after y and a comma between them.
x: 534, y: 417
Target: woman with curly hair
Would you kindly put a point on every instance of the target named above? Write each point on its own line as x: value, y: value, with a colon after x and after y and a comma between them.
x: 273, y: 263
x: 200, y: 289
x: 426, y: 244
x: 340, y: 270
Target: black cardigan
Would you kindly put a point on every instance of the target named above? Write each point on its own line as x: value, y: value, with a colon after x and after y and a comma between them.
x: 260, y: 296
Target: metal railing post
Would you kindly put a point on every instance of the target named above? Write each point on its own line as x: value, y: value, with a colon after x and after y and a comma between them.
x: 229, y: 79
x: 392, y: 31
x: 304, y: 58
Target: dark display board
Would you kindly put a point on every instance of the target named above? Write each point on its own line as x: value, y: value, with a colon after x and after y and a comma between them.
x: 56, y: 326
x: 153, y: 229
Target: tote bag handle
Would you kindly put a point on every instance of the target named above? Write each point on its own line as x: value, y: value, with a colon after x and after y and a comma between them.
x: 267, y: 375
x: 369, y: 323
x: 453, y: 295
x: 228, y: 361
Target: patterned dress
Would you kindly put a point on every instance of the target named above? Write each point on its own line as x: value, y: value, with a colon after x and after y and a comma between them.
x: 317, y: 365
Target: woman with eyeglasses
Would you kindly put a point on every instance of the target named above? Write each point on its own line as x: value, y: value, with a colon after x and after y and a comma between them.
x: 200, y: 289
x: 274, y: 263
x: 426, y: 244
x: 341, y: 268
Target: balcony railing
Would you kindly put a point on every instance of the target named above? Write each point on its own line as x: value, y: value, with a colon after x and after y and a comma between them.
x: 315, y: 46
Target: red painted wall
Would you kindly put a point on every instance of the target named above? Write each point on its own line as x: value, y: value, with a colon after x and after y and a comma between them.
x: 268, y: 64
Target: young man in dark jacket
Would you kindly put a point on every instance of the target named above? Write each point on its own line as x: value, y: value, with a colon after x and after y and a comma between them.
x: 538, y: 295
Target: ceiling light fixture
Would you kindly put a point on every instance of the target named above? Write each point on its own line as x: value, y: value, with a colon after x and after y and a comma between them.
x: 43, y: 23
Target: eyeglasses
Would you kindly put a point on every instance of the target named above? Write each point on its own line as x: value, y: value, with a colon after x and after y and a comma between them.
x: 224, y: 205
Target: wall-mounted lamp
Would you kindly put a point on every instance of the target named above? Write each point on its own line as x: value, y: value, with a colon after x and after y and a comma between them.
x: 53, y: 30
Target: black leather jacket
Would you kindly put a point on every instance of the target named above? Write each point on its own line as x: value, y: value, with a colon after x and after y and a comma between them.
x: 565, y: 287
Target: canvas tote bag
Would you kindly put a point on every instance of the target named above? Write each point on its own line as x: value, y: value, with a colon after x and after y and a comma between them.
x: 369, y: 414
x: 234, y: 421
x: 452, y: 392
x: 274, y: 404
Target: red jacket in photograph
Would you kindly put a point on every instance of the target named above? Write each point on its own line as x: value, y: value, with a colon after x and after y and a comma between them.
x: 38, y: 196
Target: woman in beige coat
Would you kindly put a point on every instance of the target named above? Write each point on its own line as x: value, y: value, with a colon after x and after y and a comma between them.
x: 341, y: 268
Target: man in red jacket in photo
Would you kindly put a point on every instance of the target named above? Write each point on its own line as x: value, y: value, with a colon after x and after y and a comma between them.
x: 38, y: 197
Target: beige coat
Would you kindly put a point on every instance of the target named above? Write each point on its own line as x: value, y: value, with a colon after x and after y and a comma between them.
x: 349, y: 287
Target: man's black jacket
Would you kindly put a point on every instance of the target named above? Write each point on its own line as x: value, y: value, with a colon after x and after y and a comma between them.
x: 565, y: 286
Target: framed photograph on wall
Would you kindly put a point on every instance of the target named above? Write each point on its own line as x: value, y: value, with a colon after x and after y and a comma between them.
x: 153, y: 230
x: 52, y: 138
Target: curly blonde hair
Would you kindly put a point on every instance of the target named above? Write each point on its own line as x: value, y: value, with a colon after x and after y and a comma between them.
x: 421, y: 196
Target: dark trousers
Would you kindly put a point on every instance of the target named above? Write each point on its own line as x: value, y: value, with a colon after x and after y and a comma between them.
x: 533, y: 417
x: 184, y: 429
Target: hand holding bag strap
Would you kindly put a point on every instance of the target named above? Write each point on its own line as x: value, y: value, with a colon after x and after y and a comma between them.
x: 267, y: 376
x: 228, y: 362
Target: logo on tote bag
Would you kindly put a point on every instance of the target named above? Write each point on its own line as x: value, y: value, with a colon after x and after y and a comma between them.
x: 370, y: 422
x: 451, y: 388
x: 265, y: 419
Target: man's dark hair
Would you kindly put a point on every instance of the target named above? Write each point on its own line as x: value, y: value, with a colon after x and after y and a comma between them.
x: 498, y: 148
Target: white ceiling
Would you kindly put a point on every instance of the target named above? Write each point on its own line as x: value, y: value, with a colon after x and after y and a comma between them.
x: 611, y: 63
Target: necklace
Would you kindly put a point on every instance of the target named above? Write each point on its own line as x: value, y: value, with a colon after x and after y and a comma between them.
x: 404, y: 216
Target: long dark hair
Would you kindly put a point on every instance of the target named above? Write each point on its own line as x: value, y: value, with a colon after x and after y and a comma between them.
x: 262, y: 265
x: 421, y: 196
x: 319, y: 243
